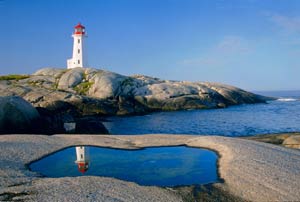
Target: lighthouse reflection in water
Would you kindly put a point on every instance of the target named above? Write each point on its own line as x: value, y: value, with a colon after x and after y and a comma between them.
x: 83, y: 158
x: 156, y: 166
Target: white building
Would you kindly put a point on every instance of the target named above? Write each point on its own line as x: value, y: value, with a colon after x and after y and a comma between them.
x: 78, y: 59
x: 83, y: 159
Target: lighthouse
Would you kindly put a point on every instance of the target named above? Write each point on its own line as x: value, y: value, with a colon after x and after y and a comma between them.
x: 78, y: 59
x: 83, y: 159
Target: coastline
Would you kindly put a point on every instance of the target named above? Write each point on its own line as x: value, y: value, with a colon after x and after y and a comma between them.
x: 251, y: 170
x: 291, y: 140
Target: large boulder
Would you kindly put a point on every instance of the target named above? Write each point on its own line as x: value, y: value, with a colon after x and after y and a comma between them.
x: 106, y: 85
x: 71, y: 78
x: 17, y: 115
x: 90, y: 125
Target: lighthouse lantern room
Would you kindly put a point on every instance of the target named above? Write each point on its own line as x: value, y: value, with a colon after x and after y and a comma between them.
x: 78, y: 59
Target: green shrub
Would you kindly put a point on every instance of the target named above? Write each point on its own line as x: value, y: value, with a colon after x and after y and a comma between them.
x: 83, y: 87
x: 14, y: 77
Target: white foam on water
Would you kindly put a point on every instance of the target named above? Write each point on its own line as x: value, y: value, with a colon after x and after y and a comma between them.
x: 287, y: 99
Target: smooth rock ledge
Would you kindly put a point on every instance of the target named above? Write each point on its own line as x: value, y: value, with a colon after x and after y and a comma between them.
x: 251, y: 170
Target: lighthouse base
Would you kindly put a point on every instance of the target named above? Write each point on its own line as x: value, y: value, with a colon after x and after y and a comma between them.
x: 70, y: 63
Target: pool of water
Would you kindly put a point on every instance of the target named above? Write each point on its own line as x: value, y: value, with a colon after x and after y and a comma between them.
x: 159, y: 166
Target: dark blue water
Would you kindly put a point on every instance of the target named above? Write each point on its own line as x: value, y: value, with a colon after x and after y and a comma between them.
x: 160, y: 166
x: 282, y: 115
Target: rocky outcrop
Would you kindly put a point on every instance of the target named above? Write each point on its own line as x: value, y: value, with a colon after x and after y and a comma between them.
x: 292, y: 141
x: 51, y: 72
x: 17, y: 115
x: 89, y: 91
x: 106, y: 85
x: 70, y: 79
x: 90, y: 125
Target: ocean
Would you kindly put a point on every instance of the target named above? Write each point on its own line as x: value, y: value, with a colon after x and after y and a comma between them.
x: 281, y: 115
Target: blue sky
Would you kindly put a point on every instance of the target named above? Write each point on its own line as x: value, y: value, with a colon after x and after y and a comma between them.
x: 252, y: 44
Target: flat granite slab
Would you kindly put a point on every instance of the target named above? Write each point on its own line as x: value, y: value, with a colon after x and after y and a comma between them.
x: 251, y: 170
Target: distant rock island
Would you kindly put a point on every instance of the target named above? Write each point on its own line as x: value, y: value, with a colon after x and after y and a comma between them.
x: 66, y: 94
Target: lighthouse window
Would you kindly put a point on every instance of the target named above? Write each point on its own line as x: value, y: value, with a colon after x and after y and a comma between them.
x: 78, y: 50
x: 78, y: 40
x: 81, y: 156
x: 78, y: 61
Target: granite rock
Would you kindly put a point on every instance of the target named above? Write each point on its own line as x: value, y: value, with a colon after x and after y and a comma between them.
x: 71, y: 78
x: 100, y: 92
x: 17, y: 115
x: 292, y: 141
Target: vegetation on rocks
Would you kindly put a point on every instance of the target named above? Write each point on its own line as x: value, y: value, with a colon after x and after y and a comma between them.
x: 83, y: 88
x: 14, y: 77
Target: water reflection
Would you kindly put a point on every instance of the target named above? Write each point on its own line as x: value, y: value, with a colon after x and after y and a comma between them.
x: 159, y: 166
x: 83, y: 158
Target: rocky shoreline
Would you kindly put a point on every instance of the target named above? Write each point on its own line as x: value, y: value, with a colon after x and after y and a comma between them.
x: 252, y: 171
x: 83, y: 96
x: 92, y: 91
x: 53, y: 101
x: 291, y: 140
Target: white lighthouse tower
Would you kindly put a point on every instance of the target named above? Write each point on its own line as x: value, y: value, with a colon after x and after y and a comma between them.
x: 83, y: 159
x: 78, y: 59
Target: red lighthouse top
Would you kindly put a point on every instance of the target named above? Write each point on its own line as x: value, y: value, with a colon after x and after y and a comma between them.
x: 79, y: 29
x: 83, y: 166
